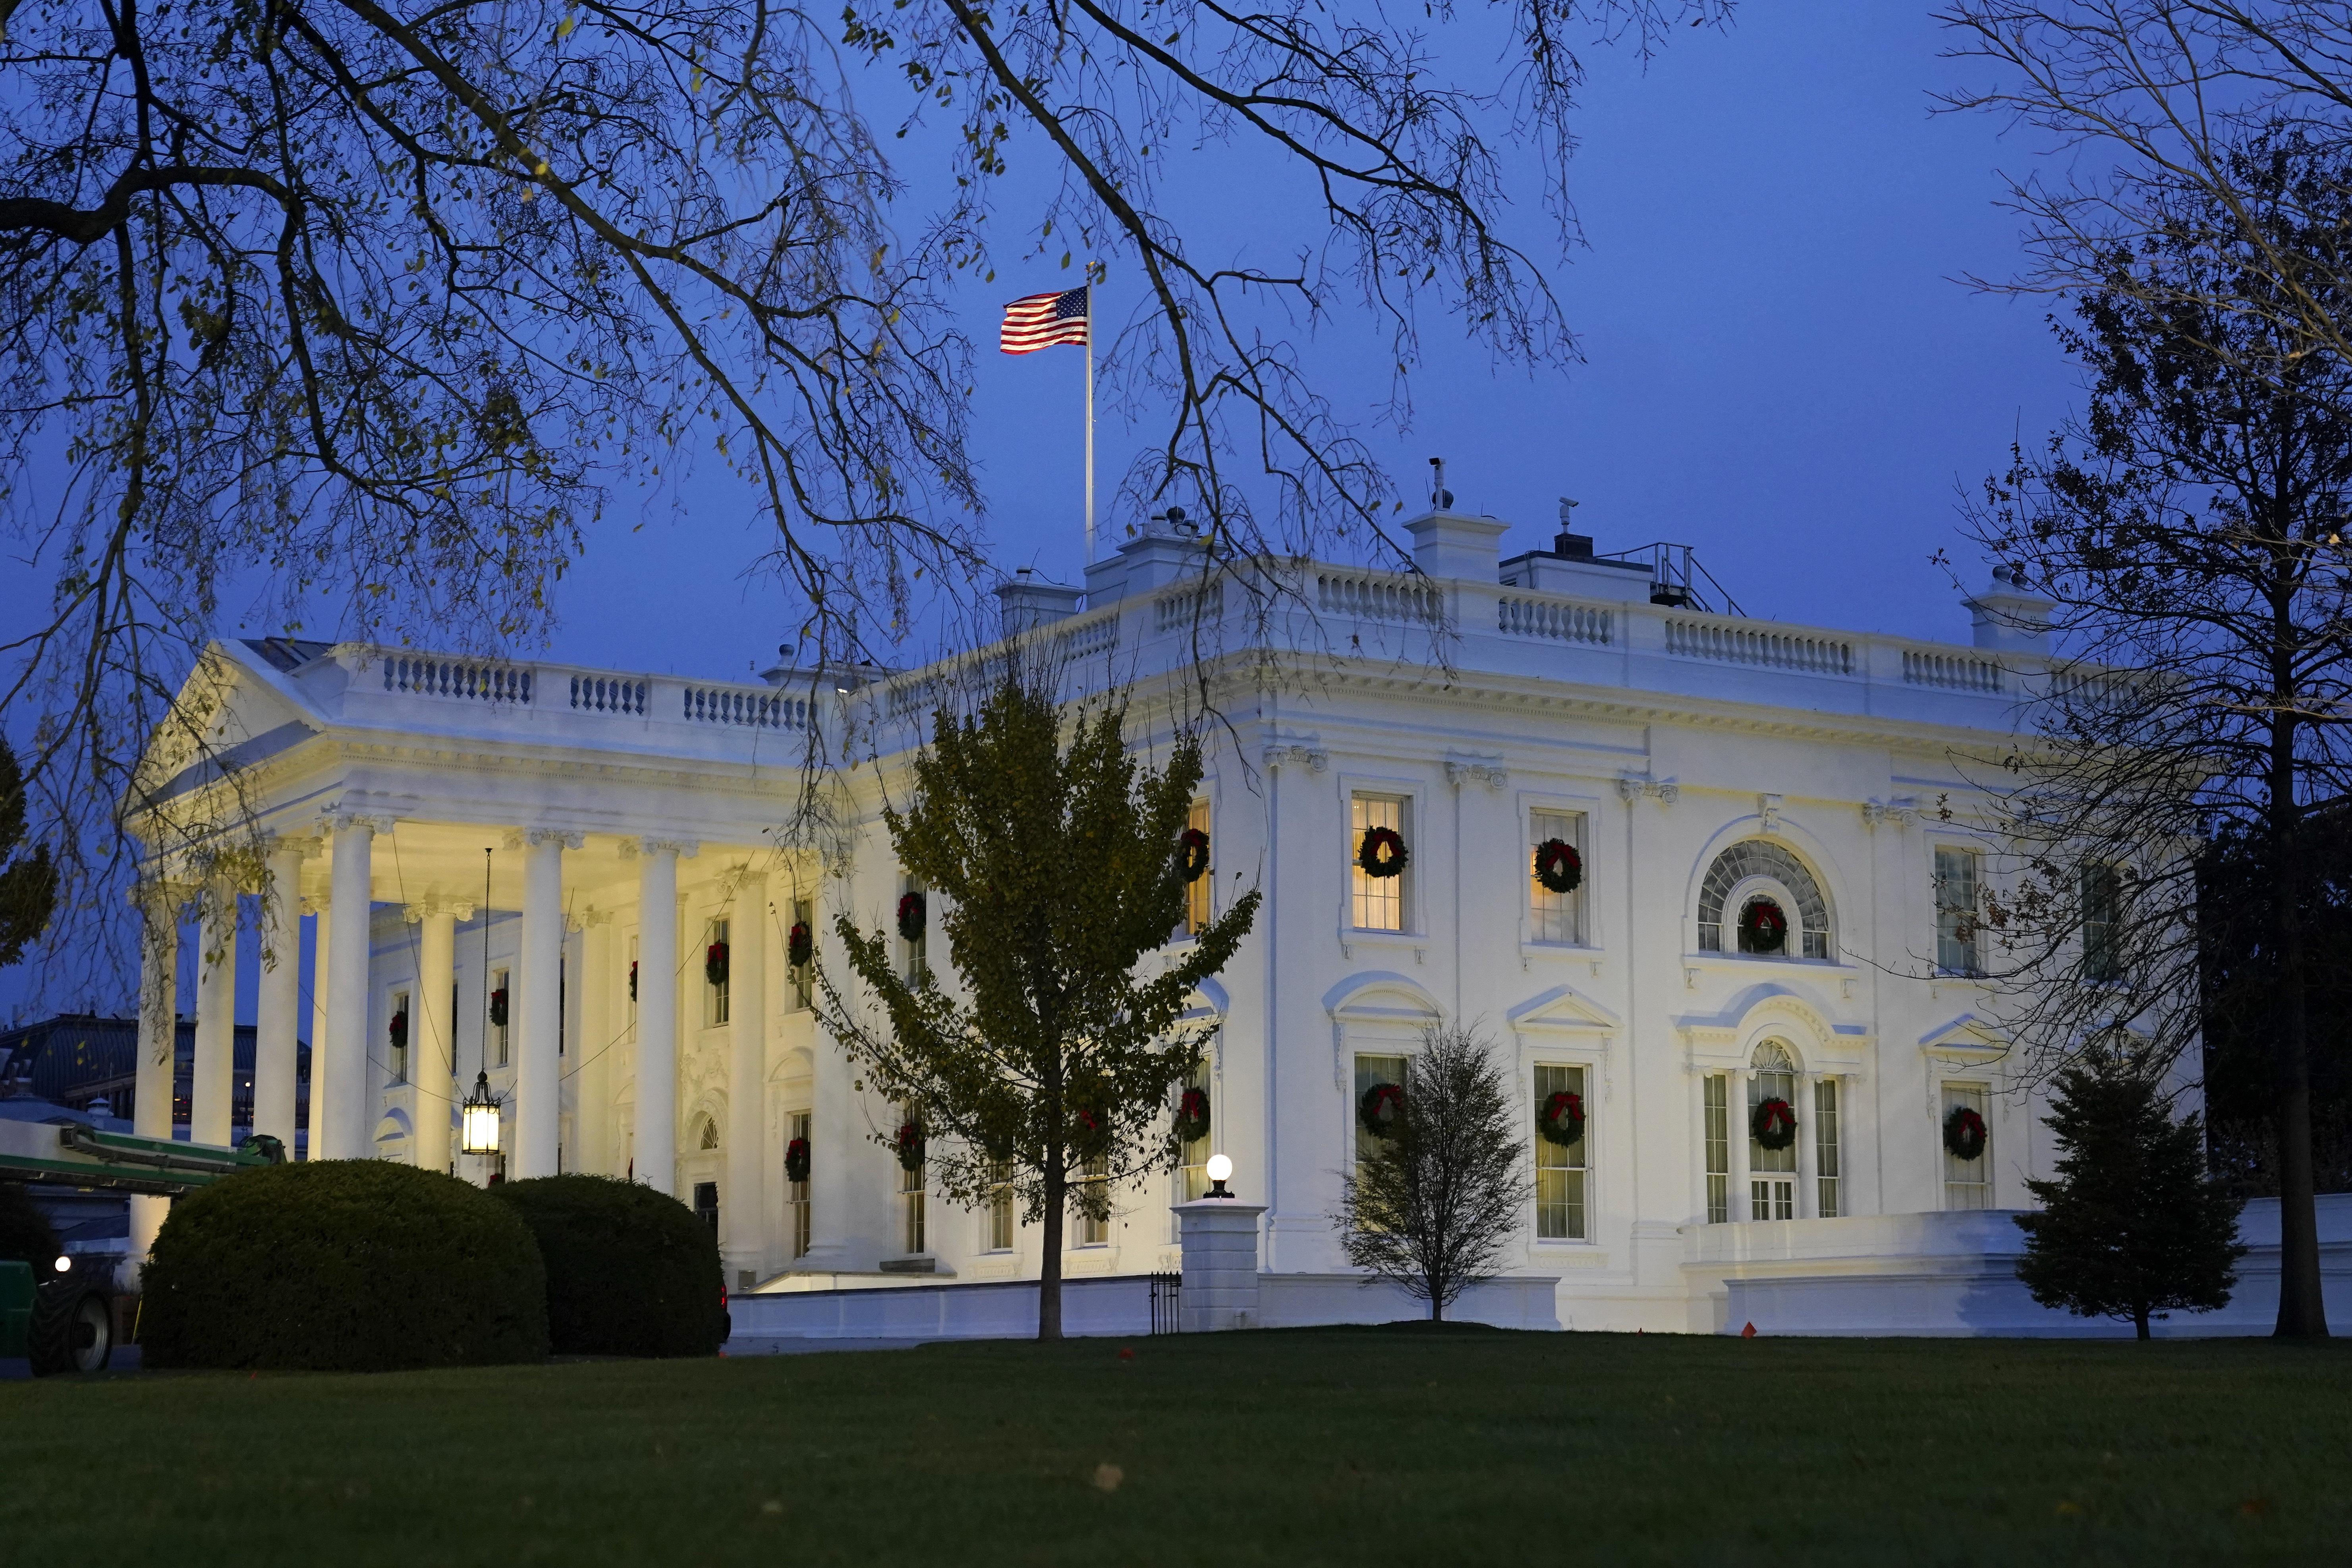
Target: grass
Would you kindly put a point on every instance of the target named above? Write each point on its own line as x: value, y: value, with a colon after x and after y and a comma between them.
x: 1323, y: 1446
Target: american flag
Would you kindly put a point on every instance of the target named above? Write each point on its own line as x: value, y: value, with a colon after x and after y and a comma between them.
x: 1040, y: 320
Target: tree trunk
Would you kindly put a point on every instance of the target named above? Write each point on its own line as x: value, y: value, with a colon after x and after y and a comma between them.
x: 2302, y: 1308
x: 2139, y: 1323
x: 1049, y: 1272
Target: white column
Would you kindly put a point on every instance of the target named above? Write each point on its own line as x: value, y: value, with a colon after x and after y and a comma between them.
x: 159, y: 1032
x: 321, y: 947
x: 433, y: 1041
x: 538, y: 971
x: 350, y: 1089
x: 591, y: 1122
x: 742, y: 1204
x: 834, y: 1122
x: 278, y: 1012
x: 215, y: 1081
x: 657, y: 1155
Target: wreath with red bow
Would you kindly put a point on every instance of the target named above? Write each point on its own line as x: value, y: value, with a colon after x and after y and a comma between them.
x: 1773, y: 1124
x: 910, y: 1145
x: 1382, y: 1107
x: 1964, y: 1134
x: 1762, y: 927
x: 1192, y: 849
x: 796, y: 1160
x: 714, y: 964
x: 913, y: 911
x: 1558, y: 867
x: 1383, y: 853
x: 400, y: 1030
x: 1562, y: 1120
x: 1193, y: 1116
x: 632, y: 980
x: 800, y: 946
x: 498, y: 1008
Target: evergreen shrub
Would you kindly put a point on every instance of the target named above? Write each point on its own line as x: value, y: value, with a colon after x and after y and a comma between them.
x: 630, y: 1271
x: 343, y: 1266
x: 25, y: 1236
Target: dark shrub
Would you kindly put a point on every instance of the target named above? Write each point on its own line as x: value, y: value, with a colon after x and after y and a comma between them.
x: 343, y: 1266
x: 24, y: 1233
x: 630, y: 1271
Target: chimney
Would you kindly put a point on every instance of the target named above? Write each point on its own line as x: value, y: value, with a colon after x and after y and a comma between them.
x: 2010, y: 618
x: 1025, y: 602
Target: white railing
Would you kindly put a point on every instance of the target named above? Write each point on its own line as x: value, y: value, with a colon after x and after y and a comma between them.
x: 1561, y: 620
x: 1957, y: 671
x: 470, y: 681
x: 1729, y: 642
x: 755, y: 708
x: 609, y: 694
x: 1099, y: 636
x: 1379, y: 598
x: 1181, y: 610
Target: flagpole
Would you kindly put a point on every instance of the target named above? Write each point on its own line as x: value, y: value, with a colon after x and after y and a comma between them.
x: 1090, y: 424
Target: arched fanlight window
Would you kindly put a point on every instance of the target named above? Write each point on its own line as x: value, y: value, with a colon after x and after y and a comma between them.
x: 1759, y: 858
x: 708, y: 1135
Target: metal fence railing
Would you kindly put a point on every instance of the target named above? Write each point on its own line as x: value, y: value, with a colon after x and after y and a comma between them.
x: 1165, y: 1288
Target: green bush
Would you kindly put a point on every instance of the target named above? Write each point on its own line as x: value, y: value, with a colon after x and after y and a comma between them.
x: 630, y: 1271
x: 343, y: 1266
x: 24, y: 1233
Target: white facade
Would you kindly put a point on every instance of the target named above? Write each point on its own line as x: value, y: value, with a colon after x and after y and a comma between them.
x: 1697, y: 761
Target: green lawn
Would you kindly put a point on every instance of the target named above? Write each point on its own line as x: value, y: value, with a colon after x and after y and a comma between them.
x: 1326, y: 1445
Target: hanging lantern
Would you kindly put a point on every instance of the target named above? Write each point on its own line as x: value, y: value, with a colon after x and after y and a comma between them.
x: 480, y: 1118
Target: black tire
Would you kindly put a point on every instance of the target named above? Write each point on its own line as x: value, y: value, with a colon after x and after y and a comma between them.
x: 73, y: 1330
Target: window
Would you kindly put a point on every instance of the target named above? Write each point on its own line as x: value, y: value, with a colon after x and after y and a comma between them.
x: 1825, y: 1149
x: 1196, y: 892
x: 1376, y: 903
x: 1771, y: 1172
x: 803, y: 974
x: 796, y: 1194
x: 917, y: 952
x: 714, y: 991
x: 2102, y: 919
x: 501, y: 1014
x: 706, y: 1203
x: 396, y: 1053
x: 999, y: 1208
x: 1762, y: 858
x: 1091, y: 1197
x: 1554, y: 917
x: 1192, y: 1158
x: 1967, y: 1184
x: 1956, y: 911
x: 1371, y: 1070
x: 910, y: 1202
x: 1560, y: 1169
x: 1717, y: 1099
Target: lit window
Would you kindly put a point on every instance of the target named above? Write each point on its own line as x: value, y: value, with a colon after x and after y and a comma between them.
x: 999, y: 1208
x: 1196, y: 892
x: 1371, y: 1072
x: 1377, y: 903
x: 1091, y: 1196
x: 1761, y: 858
x: 1193, y: 1159
x: 1560, y: 1168
x: 1956, y: 911
x: 1554, y: 917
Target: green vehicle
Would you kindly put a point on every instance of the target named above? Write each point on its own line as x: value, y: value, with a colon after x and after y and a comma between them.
x: 65, y: 1316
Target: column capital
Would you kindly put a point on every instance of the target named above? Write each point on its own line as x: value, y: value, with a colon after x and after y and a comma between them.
x: 425, y: 908
x: 305, y: 845
x: 338, y: 818
x: 532, y: 837
x: 594, y: 918
x: 684, y: 848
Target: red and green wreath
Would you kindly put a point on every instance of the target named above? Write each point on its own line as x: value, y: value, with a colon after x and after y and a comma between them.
x: 1089, y: 1130
x: 1382, y: 1108
x: 632, y: 980
x: 913, y: 911
x: 796, y: 1160
x: 1762, y: 927
x: 1382, y: 854
x: 1561, y: 1120
x: 1773, y: 1124
x: 800, y: 946
x: 909, y: 1145
x: 498, y: 1008
x: 400, y: 1030
x: 1192, y: 850
x: 1964, y: 1134
x: 714, y: 964
x: 1558, y: 867
x: 1193, y: 1116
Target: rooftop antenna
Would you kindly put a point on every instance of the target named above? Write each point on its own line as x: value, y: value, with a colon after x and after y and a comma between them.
x: 1439, y: 495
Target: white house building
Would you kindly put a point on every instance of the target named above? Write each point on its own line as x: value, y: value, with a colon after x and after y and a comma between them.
x: 531, y: 865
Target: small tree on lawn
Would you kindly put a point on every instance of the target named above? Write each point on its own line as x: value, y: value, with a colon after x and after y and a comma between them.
x: 1056, y: 871
x: 1433, y: 1203
x: 2133, y: 1223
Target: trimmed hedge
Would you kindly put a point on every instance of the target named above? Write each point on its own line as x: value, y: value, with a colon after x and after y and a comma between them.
x: 630, y: 1271
x: 24, y: 1233
x: 343, y: 1266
